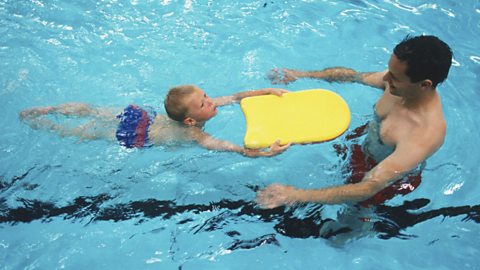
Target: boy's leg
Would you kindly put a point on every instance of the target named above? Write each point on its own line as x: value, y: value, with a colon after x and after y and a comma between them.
x: 92, y: 130
x: 72, y: 109
x: 102, y: 126
x: 35, y: 112
x: 84, y: 109
x: 69, y: 109
x: 40, y: 123
x: 106, y: 114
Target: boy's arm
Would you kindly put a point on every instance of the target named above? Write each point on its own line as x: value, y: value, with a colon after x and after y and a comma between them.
x: 333, y: 74
x: 220, y: 101
x: 209, y: 142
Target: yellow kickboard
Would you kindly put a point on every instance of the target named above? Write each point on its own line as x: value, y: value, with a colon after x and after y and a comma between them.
x: 306, y: 116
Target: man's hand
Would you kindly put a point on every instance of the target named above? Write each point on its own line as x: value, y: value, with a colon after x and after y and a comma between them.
x: 283, y: 76
x: 275, y: 195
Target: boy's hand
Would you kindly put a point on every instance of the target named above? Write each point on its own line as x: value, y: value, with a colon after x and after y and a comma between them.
x: 276, y: 148
x: 273, y: 150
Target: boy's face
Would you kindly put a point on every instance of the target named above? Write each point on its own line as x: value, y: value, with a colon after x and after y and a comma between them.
x: 200, y: 107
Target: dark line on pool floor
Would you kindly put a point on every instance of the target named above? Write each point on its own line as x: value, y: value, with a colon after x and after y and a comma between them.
x: 393, y: 220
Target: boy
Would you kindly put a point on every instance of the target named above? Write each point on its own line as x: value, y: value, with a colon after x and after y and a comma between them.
x: 187, y: 105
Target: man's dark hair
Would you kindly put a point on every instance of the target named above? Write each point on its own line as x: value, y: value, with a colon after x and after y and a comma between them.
x: 427, y: 57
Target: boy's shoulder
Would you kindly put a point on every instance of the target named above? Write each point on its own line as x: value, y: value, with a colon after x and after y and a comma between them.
x: 164, y: 129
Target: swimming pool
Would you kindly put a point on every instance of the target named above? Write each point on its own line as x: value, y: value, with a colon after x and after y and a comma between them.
x: 76, y: 205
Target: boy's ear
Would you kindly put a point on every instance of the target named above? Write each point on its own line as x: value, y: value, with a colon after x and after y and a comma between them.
x: 189, y: 121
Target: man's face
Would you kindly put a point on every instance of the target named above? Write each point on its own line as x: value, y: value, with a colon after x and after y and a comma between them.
x: 399, y: 83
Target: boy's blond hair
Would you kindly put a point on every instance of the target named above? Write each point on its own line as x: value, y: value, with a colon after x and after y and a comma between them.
x: 175, y: 102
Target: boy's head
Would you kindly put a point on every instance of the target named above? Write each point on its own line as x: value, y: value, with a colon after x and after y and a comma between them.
x: 189, y: 104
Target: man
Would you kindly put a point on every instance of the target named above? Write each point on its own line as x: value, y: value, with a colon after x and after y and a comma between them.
x: 409, y: 124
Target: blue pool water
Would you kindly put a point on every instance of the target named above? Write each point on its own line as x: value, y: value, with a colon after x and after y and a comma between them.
x: 69, y: 205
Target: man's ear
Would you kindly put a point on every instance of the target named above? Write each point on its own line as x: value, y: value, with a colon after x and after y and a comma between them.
x: 426, y: 83
x: 189, y: 121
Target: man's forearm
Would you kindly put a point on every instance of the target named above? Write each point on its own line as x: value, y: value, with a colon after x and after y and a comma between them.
x: 337, y: 74
x: 336, y: 195
x: 333, y: 74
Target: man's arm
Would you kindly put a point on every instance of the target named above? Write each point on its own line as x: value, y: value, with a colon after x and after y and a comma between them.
x: 220, y: 101
x: 401, y: 161
x: 333, y: 74
x: 209, y: 142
